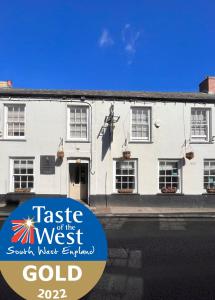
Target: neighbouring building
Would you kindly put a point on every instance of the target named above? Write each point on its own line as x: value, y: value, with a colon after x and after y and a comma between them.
x: 106, y: 147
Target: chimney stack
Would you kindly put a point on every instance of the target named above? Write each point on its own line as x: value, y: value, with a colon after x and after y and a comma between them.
x: 207, y: 85
x: 6, y: 84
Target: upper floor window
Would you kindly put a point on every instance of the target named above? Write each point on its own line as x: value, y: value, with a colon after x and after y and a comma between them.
x: 169, y: 176
x: 140, y: 124
x: 78, y: 122
x: 15, y: 121
x: 200, y: 124
x: 125, y: 178
x: 22, y: 174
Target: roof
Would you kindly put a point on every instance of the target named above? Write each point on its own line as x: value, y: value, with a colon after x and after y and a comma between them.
x: 108, y: 95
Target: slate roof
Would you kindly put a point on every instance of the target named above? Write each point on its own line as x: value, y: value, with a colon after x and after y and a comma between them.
x: 108, y: 95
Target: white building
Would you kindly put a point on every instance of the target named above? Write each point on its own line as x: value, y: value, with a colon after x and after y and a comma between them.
x: 93, y: 129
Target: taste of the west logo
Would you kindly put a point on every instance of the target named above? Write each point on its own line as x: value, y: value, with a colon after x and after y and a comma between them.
x: 52, y: 248
x: 23, y: 231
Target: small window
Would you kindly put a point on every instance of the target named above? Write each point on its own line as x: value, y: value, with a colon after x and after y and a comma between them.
x: 78, y: 123
x: 169, y: 174
x: 209, y: 174
x: 125, y: 176
x: 15, y: 121
x: 140, y: 124
x: 200, y: 124
x: 22, y: 174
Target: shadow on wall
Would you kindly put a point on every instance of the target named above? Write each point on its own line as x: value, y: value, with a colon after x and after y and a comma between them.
x: 58, y: 162
x: 106, y: 142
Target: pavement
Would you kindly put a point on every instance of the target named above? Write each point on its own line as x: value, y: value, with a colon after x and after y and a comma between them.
x: 128, y: 211
x: 194, y: 212
x: 6, y: 209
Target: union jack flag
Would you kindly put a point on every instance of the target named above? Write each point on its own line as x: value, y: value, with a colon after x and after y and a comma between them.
x: 23, y: 231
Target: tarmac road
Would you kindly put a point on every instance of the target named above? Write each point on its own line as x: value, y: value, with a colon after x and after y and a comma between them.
x: 159, y: 259
x: 154, y: 259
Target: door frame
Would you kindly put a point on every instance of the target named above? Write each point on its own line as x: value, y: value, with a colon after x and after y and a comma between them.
x: 81, y: 161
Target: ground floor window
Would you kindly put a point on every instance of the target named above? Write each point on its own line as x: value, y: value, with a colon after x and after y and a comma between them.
x: 125, y: 176
x: 169, y: 175
x: 22, y: 174
x: 209, y: 173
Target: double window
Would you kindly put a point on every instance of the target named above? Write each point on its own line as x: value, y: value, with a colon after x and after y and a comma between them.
x: 169, y: 174
x: 125, y: 176
x: 200, y: 124
x: 22, y: 173
x: 78, y: 123
x: 140, y: 124
x: 15, y: 121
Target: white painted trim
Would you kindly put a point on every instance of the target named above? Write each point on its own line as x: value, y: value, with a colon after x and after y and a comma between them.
x: 179, y: 191
x: 135, y: 174
x: 201, y: 138
x: 68, y: 122
x: 74, y: 160
x: 141, y: 139
x: 11, y: 160
x: 5, y: 129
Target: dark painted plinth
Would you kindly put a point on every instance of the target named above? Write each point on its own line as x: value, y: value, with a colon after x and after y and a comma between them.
x: 18, y: 197
x: 162, y: 200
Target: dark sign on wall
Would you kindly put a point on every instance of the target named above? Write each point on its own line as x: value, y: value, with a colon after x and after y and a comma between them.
x: 47, y: 164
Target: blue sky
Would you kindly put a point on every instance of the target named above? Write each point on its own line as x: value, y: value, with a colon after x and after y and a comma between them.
x: 147, y: 45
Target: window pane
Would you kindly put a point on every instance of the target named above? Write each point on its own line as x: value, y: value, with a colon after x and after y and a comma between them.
x: 162, y: 179
x: 118, y: 185
x: 16, y: 185
x: 131, y: 185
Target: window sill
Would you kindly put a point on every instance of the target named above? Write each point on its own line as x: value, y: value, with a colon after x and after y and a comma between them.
x: 21, y: 193
x: 121, y: 194
x: 140, y: 142
x: 77, y: 141
x: 170, y: 194
x: 211, y: 143
x: 12, y: 140
x: 208, y: 194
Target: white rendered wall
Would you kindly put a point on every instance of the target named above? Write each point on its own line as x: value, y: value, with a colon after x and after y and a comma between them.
x: 46, y: 123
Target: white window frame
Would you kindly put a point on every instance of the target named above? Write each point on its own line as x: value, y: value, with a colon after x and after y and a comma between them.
x: 69, y: 138
x: 141, y: 139
x: 201, y: 138
x: 179, y: 189
x: 14, y: 137
x: 115, y: 190
x: 12, y: 159
x: 209, y: 175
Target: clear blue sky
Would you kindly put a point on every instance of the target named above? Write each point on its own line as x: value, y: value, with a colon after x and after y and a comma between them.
x: 148, y: 45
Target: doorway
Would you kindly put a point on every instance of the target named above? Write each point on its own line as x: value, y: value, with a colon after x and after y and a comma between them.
x: 78, y: 181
